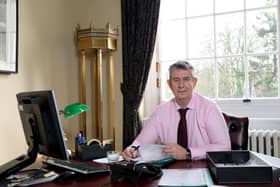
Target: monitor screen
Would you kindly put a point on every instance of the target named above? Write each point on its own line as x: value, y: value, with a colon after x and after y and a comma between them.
x: 41, y: 123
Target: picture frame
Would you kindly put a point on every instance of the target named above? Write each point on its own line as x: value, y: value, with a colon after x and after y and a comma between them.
x: 8, y: 36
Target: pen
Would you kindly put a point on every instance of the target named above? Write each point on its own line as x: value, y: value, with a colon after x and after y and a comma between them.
x: 133, y: 151
x: 135, y: 147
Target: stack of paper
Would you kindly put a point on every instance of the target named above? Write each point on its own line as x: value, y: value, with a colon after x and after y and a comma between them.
x: 186, y: 177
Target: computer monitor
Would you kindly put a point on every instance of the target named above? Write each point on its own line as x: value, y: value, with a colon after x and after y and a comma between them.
x: 38, y: 110
x: 42, y: 129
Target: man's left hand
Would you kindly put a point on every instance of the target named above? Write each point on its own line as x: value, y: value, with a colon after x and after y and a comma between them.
x: 176, y: 151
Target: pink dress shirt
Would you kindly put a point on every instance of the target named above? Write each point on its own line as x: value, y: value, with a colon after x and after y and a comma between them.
x: 206, y: 127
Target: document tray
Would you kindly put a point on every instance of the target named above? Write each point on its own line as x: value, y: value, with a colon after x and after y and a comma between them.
x: 234, y: 167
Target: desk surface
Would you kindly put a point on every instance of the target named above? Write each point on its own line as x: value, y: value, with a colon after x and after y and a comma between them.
x: 104, y: 180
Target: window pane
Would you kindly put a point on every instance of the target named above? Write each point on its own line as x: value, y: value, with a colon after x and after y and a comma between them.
x: 230, y: 34
x: 3, y: 32
x: 3, y: 53
x: 204, y: 71
x: 263, y: 73
x: 200, y: 37
x: 231, y: 45
x: 228, y: 5
x: 259, y: 3
x: 171, y: 10
x: 172, y: 41
x: 231, y: 77
x: 262, y: 30
x: 199, y: 7
x: 165, y: 91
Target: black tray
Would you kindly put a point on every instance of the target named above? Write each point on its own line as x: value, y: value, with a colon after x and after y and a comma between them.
x: 93, y: 151
x: 235, y: 167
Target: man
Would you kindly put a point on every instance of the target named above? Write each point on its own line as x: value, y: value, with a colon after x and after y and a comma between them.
x: 204, y: 127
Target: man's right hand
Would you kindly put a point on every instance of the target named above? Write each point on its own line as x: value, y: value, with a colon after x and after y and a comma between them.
x: 130, y: 153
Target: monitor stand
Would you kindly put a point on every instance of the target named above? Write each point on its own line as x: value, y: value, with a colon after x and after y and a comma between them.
x: 23, y: 160
x: 15, y: 165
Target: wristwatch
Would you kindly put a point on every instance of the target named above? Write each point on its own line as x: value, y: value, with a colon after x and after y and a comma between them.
x: 188, y: 154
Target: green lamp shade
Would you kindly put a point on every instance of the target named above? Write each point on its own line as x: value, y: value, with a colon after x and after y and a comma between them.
x: 74, y: 109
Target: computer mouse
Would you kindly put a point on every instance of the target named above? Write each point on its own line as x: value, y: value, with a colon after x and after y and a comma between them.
x: 64, y: 176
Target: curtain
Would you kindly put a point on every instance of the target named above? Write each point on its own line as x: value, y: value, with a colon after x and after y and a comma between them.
x: 139, y: 27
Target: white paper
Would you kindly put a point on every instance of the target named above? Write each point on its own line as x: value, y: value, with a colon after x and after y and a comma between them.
x: 148, y: 153
x: 186, y: 177
x: 151, y: 152
x: 105, y: 160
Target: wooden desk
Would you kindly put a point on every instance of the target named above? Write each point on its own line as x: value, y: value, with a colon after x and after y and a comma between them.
x: 104, y: 180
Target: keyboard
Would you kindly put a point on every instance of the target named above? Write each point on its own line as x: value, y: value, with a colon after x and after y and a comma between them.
x: 76, y: 166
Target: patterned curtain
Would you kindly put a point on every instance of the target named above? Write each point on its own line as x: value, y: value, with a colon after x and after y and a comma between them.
x: 139, y: 27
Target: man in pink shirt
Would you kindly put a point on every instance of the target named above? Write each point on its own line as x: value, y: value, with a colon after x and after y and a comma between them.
x: 206, y: 127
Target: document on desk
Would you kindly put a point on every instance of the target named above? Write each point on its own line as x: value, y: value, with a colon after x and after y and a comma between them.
x: 104, y: 160
x: 147, y: 153
x: 151, y: 152
x: 186, y: 177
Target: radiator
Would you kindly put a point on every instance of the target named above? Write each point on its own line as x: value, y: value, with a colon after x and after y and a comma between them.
x: 264, y: 141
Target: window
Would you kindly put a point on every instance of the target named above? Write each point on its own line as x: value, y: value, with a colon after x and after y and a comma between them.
x: 233, y: 45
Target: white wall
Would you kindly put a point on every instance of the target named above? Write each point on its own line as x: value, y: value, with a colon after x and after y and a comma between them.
x: 48, y: 60
x: 264, y: 123
x: 262, y: 113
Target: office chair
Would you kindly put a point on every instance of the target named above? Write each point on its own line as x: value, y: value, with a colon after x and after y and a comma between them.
x: 238, y: 131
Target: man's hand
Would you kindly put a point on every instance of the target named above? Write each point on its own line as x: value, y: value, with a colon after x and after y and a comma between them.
x: 176, y: 151
x: 130, y: 152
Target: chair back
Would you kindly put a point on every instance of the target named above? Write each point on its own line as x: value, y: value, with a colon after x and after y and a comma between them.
x: 238, y: 131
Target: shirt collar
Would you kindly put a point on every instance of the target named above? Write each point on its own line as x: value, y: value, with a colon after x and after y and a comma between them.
x: 191, y: 104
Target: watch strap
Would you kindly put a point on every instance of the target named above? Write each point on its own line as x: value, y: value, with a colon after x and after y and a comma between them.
x: 189, y: 154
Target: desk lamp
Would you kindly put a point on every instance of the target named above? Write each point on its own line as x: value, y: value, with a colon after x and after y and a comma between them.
x: 73, y: 109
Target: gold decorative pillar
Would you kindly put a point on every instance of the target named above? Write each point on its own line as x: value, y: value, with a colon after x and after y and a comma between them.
x: 83, y: 89
x: 111, y: 96
x: 98, y: 42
